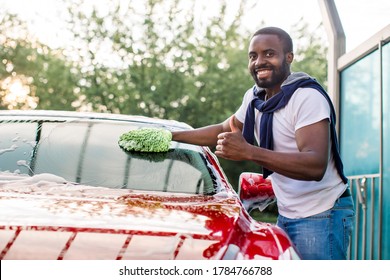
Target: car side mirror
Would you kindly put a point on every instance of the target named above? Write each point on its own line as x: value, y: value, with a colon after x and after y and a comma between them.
x: 255, y: 191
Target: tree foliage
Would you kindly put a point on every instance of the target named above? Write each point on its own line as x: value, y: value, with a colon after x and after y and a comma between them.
x: 31, y: 74
x: 310, y: 53
x: 153, y: 60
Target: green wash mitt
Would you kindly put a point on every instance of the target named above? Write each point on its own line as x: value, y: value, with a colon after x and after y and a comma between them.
x: 155, y: 140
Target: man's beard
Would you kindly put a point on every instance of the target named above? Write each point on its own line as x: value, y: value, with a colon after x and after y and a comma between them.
x: 277, y: 76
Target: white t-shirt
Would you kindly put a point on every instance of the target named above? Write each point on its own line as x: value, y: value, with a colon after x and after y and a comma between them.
x: 295, y: 198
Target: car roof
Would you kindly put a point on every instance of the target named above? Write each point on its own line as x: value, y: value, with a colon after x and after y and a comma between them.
x: 57, y: 114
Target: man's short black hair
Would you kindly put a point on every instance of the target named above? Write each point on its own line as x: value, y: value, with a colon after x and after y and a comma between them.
x: 283, y: 36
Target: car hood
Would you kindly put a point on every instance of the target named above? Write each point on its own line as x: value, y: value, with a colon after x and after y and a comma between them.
x: 45, y: 217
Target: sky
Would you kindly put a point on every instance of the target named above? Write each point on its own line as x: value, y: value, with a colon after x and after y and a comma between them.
x: 360, y: 18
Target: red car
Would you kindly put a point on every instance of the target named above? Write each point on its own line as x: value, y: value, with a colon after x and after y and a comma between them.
x: 68, y: 191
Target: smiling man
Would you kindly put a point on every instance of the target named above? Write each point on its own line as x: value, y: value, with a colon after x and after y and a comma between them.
x: 293, y: 120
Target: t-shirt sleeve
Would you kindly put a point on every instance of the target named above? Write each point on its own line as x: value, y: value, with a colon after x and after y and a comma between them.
x: 308, y: 106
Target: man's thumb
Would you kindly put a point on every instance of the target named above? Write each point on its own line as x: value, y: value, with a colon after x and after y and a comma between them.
x: 233, y: 127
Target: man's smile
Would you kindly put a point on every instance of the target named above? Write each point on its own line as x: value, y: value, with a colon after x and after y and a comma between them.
x: 263, y: 73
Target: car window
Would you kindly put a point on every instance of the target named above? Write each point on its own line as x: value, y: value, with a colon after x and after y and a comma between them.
x: 17, y: 145
x: 87, y: 152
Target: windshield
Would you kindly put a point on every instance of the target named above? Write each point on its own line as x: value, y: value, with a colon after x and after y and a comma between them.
x: 87, y: 152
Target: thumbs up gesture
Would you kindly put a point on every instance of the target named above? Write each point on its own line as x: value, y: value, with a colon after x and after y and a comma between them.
x: 233, y: 126
x: 232, y: 145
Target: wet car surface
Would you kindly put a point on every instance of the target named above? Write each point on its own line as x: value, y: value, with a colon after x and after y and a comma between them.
x: 68, y: 191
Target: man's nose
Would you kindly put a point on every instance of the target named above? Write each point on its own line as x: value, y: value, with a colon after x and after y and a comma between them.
x: 259, y: 60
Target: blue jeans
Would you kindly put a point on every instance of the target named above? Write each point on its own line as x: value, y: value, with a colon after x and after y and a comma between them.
x: 324, y: 236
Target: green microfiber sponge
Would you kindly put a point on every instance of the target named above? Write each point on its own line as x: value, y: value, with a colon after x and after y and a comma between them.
x: 155, y: 140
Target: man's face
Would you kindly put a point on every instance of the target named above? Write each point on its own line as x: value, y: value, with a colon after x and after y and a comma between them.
x: 268, y: 64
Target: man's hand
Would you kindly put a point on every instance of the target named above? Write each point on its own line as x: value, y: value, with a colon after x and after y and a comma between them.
x: 232, y: 145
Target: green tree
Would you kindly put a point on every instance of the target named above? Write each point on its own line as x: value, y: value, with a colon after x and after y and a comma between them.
x: 31, y: 74
x: 152, y: 59
x: 310, y: 53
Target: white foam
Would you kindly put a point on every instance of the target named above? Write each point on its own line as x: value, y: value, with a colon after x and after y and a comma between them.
x: 11, y: 149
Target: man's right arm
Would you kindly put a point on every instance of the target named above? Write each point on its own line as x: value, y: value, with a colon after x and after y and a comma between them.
x: 203, y: 136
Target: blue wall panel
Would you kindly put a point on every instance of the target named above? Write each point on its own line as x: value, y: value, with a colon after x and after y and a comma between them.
x: 359, y: 116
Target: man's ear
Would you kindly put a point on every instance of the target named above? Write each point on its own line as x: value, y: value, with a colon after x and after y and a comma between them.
x: 289, y: 57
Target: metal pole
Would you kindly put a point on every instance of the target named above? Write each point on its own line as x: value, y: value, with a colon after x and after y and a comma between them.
x: 372, y: 217
x: 380, y: 49
x: 357, y: 213
x: 336, y: 37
